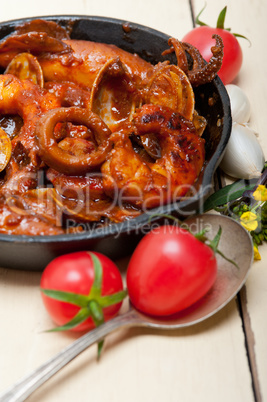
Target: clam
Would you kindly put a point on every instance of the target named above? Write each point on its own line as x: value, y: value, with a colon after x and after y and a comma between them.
x: 112, y: 95
x: 151, y: 145
x: 17, y: 205
x: 169, y: 86
x: 5, y: 149
x: 11, y: 124
x: 80, y: 209
x: 39, y: 201
x: 90, y: 209
x: 26, y: 67
x: 36, y: 202
x: 200, y: 123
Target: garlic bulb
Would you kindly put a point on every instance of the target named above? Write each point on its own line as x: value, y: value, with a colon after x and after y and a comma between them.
x: 244, y: 157
x: 240, y: 105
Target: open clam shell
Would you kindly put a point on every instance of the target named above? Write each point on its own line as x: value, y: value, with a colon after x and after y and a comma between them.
x: 170, y: 86
x: 5, y: 149
x: 112, y: 97
x: 37, y: 202
x: 26, y: 67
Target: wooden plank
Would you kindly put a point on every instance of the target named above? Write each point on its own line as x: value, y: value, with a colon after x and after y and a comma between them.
x: 206, y: 361
x: 248, y: 18
x: 250, y: 343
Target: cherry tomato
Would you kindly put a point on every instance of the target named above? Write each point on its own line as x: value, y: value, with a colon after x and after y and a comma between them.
x: 75, y: 273
x: 201, y: 38
x: 169, y: 270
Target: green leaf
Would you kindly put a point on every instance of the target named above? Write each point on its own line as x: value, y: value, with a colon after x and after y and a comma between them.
x: 68, y: 297
x: 221, y: 18
x: 80, y: 317
x: 114, y: 298
x: 220, y: 22
x: 241, y: 36
x: 227, y: 193
x: 214, y: 244
x: 197, y: 21
x: 95, y: 292
x: 227, y: 259
x: 201, y: 235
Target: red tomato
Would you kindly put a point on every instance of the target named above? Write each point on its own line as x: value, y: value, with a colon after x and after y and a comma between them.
x: 169, y: 271
x: 201, y: 38
x: 75, y: 273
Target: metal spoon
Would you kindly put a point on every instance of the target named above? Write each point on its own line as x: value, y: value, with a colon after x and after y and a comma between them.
x: 235, y: 243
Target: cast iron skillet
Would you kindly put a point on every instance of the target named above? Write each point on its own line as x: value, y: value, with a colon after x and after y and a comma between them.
x: 117, y: 240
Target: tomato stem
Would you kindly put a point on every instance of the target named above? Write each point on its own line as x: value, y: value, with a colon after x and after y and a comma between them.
x: 220, y: 22
x: 91, y: 305
x: 213, y: 244
x: 201, y: 235
x: 98, y: 318
x: 96, y: 312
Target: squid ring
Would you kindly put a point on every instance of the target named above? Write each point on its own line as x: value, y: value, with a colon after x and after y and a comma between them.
x: 62, y: 161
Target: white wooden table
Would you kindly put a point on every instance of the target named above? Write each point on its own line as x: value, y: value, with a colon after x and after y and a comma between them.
x: 221, y: 359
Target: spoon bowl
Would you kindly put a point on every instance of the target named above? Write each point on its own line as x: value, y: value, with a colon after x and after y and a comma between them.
x: 235, y: 243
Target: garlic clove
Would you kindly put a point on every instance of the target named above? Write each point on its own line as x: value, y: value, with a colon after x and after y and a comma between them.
x: 243, y: 157
x: 240, y: 105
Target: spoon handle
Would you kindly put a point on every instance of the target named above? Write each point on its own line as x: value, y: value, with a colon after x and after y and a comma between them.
x: 28, y: 384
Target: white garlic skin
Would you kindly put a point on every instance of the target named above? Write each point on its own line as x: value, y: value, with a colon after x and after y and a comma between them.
x: 240, y: 105
x: 244, y: 157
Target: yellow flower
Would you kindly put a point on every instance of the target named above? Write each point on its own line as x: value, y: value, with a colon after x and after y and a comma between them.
x: 257, y: 255
x: 260, y: 194
x: 249, y: 221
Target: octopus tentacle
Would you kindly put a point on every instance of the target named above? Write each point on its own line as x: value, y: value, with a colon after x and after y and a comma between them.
x: 30, y: 102
x: 65, y: 162
x: 177, y: 47
x: 198, y: 61
x: 150, y: 184
x: 202, y: 75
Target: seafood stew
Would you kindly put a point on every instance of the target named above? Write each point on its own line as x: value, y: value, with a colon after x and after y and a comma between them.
x: 126, y: 150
